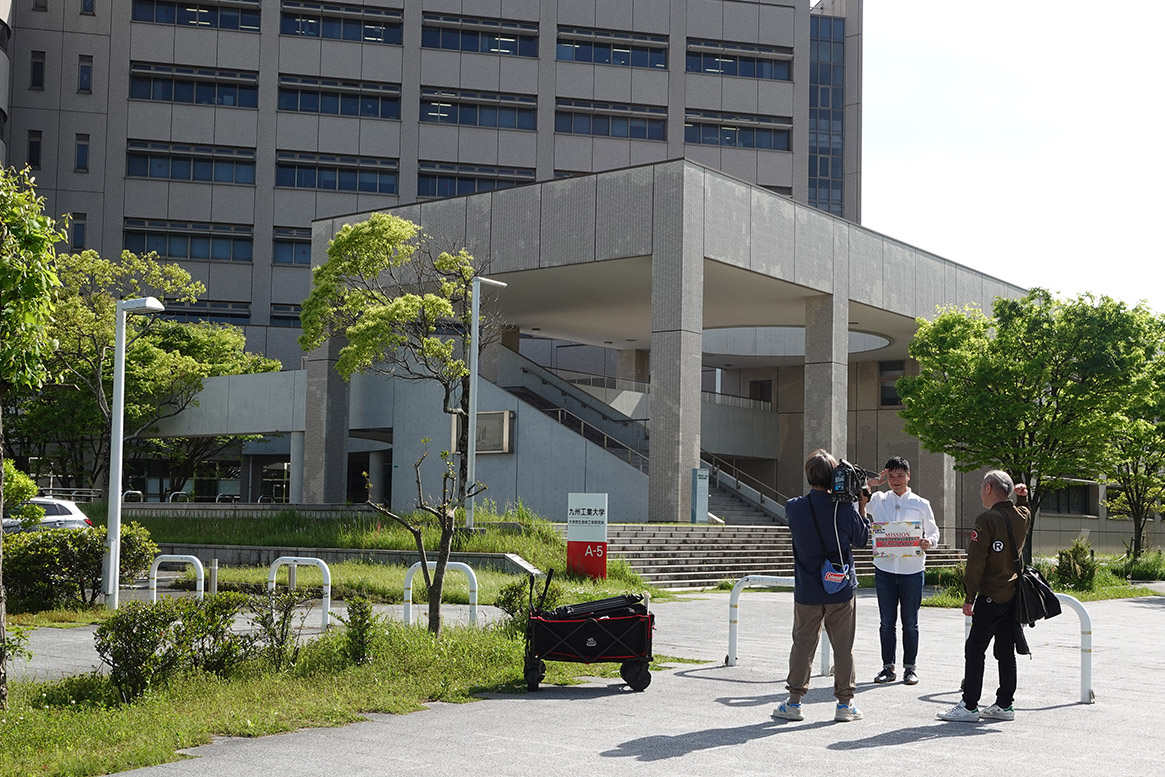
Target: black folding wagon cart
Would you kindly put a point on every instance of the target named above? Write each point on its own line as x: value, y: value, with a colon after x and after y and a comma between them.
x: 617, y: 629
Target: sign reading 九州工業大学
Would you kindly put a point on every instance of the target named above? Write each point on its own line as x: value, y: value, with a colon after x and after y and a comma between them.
x: 586, y: 534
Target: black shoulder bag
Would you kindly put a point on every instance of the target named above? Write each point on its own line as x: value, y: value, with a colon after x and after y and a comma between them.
x: 1034, y: 598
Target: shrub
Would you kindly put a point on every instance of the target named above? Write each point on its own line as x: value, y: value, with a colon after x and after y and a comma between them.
x: 137, y: 643
x: 18, y: 489
x: 1150, y: 566
x: 514, y: 600
x: 58, y: 568
x: 274, y: 620
x: 1076, y: 566
x: 143, y: 644
x: 359, y: 631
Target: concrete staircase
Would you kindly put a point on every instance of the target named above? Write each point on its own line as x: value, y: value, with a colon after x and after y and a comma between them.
x: 696, y: 556
x: 734, y: 511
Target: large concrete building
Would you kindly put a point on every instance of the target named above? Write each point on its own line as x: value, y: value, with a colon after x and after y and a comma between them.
x: 671, y: 189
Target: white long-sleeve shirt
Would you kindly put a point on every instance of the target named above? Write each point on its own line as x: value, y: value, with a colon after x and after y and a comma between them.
x: 887, y: 507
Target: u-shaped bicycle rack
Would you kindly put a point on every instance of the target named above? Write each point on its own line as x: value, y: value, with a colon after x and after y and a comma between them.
x: 309, y: 561
x: 200, y: 585
x: 450, y: 565
x: 734, y: 617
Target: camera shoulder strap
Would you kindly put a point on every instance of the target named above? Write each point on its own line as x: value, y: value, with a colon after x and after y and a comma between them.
x: 821, y: 537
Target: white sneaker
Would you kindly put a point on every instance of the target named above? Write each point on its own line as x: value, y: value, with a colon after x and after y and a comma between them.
x: 960, y: 714
x: 788, y: 711
x: 846, y: 712
x: 995, y: 712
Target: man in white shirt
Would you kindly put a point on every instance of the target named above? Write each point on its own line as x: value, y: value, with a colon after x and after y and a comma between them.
x: 899, y: 563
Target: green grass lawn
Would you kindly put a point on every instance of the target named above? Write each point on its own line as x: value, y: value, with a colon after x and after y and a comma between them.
x: 77, y: 727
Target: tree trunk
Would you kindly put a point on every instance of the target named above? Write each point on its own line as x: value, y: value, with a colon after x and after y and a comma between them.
x: 3, y: 595
x: 437, y: 589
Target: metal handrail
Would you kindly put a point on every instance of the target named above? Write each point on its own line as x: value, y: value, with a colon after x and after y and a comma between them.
x: 609, y: 443
x: 735, y: 400
x: 579, y: 378
x: 718, y: 465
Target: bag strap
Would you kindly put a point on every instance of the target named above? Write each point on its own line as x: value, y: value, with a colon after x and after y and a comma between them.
x: 1011, y: 538
x: 821, y: 538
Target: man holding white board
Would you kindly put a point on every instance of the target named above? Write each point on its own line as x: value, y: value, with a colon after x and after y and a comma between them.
x: 903, y: 530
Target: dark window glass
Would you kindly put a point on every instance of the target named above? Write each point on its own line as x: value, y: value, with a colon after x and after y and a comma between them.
x: 36, y: 75
x: 694, y: 62
x: 621, y: 55
x: 639, y: 57
x: 431, y: 37
x: 288, y: 100
x: 582, y: 124
x: 564, y: 51
x: 205, y: 94
x: 507, y: 117
x: 159, y: 166
x: 619, y: 126
x: 220, y: 248
x: 326, y: 178
x: 488, y: 115
x: 199, y: 247
x: 245, y: 172
x: 203, y: 169
x: 139, y: 88
x: 526, y: 119
x: 143, y: 10
x: 85, y: 75
x: 309, y: 102
x: 134, y: 242
x: 137, y: 165
x: 180, y: 168
x: 657, y: 58
x: 285, y: 175
x: 34, y: 146
x: 243, y: 249
x: 329, y: 103
x: 82, y: 161
x: 347, y: 180
x: 527, y: 46
x: 601, y: 125
x: 562, y: 121
x: 224, y: 171
x: 691, y: 133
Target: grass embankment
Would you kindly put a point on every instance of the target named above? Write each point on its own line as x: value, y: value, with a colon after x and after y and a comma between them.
x: 77, y: 727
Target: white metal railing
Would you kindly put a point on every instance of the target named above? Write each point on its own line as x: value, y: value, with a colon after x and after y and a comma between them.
x: 1087, y: 696
x: 458, y: 565
x: 732, y: 400
x: 734, y: 617
x: 200, y: 584
x: 306, y: 560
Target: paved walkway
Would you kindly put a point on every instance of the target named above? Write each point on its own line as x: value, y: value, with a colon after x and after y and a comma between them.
x: 710, y: 719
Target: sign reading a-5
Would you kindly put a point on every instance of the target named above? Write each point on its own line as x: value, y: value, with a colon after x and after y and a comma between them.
x: 586, y: 534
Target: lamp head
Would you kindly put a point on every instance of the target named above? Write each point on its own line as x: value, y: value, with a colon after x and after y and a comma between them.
x: 141, y: 305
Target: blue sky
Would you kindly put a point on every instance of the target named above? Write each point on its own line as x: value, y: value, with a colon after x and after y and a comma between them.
x: 1021, y: 139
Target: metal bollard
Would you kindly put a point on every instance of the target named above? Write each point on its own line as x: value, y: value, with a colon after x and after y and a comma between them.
x: 291, y: 576
x: 214, y: 575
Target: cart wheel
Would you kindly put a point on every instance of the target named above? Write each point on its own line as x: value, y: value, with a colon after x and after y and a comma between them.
x: 636, y: 674
x: 535, y: 672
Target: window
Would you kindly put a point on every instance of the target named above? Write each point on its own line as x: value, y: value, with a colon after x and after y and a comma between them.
x: 365, y: 99
x: 888, y: 375
x: 214, y: 311
x: 744, y: 60
x: 1075, y: 499
x: 40, y: 5
x: 34, y: 143
x: 87, y: 7
x: 739, y: 130
x: 197, y: 85
x: 477, y: 35
x: 77, y: 240
x: 478, y: 109
x: 341, y: 22
x: 285, y: 315
x: 292, y: 246
x: 761, y: 390
x: 183, y: 240
x: 241, y: 15
x: 36, y: 71
x: 446, y: 179
x: 616, y: 120
x: 182, y: 162
x: 327, y: 172
x: 827, y: 113
x: 81, y: 155
x: 606, y: 47
x: 85, y: 74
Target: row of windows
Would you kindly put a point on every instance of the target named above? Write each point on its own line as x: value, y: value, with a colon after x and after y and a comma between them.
x: 827, y: 115
x: 325, y: 172
x: 292, y: 245
x: 478, y: 109
x: 446, y: 179
x: 698, y: 133
x: 199, y: 14
x: 486, y: 36
x: 214, y: 311
x: 189, y: 240
x: 37, y: 72
x: 738, y: 65
x: 198, y: 86
x: 615, y: 120
x: 367, y: 100
x: 339, y: 22
x: 603, y: 53
x: 190, y: 163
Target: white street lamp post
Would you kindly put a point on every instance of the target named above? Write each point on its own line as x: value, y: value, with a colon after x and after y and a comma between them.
x: 471, y: 453
x: 144, y: 306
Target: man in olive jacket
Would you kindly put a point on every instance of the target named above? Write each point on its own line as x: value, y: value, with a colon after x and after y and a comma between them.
x: 991, y: 581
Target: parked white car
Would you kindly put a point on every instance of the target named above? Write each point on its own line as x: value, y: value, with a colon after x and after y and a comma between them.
x: 58, y: 514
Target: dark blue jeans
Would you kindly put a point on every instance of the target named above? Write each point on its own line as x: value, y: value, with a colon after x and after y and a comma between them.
x: 898, y: 593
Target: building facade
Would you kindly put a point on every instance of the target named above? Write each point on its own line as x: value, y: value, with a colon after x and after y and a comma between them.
x: 215, y: 133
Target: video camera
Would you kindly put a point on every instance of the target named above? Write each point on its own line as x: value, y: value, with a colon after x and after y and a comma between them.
x: 849, y: 481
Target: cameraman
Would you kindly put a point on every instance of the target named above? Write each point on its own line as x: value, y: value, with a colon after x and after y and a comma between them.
x: 816, y: 523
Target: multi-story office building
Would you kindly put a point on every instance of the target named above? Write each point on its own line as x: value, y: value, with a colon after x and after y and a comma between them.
x: 215, y: 132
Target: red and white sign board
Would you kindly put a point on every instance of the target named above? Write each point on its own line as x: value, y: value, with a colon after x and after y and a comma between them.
x: 586, y: 534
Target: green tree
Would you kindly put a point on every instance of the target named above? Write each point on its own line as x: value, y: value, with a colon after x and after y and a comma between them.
x: 18, y: 489
x: 1039, y: 389
x: 69, y: 421
x: 27, y: 280
x: 404, y: 309
x: 1136, y: 472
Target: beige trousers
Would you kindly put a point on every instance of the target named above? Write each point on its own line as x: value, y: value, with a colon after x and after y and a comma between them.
x: 840, y: 622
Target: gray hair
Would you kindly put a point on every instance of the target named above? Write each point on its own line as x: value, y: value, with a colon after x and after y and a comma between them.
x: 999, y: 481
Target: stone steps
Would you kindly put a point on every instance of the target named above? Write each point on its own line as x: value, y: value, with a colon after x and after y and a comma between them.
x: 698, y: 556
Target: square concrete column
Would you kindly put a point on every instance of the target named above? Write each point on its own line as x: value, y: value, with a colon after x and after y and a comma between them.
x: 325, y: 439
x: 826, y: 373
x: 677, y: 333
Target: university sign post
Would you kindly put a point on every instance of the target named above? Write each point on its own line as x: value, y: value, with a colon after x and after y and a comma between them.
x: 586, y: 534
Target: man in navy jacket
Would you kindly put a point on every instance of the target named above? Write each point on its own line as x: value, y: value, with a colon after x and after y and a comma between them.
x: 839, y: 527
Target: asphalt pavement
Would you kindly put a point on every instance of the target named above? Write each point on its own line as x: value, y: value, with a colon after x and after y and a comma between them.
x: 712, y: 719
